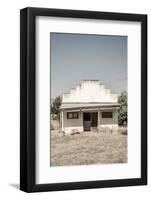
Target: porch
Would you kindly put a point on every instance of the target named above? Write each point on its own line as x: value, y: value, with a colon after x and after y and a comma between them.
x: 83, y: 117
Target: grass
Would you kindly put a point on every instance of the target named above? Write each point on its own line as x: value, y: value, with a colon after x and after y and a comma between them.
x: 88, y: 148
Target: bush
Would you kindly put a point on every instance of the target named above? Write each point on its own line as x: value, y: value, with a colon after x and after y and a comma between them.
x: 55, y: 108
x: 122, y: 113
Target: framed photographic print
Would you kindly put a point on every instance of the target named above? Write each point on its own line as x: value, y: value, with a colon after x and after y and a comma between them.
x: 83, y: 99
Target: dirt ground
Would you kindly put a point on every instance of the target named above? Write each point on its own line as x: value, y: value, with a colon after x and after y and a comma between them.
x: 88, y: 148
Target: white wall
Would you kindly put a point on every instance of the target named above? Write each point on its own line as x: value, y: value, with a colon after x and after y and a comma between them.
x: 90, y: 91
x: 9, y: 99
x: 70, y: 125
x: 73, y: 122
x: 109, y: 121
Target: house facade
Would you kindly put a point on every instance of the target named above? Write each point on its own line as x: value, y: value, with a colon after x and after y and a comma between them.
x: 88, y: 107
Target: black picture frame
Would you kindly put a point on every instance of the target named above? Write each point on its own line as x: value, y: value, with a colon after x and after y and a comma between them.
x: 28, y: 99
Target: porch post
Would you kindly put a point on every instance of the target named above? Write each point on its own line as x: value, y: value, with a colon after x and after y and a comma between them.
x: 62, y: 120
x: 98, y: 117
x: 81, y: 115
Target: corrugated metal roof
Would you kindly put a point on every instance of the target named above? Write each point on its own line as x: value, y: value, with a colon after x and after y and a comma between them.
x: 87, y: 105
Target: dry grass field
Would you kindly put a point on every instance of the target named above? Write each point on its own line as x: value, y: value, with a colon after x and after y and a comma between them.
x: 88, y: 148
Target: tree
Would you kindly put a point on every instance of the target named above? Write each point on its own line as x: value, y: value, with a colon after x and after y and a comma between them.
x: 122, y: 114
x: 55, y: 107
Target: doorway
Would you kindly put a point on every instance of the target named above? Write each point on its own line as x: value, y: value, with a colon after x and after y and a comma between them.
x: 90, y: 119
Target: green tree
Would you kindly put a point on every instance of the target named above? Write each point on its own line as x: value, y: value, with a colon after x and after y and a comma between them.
x: 55, y: 107
x: 122, y: 114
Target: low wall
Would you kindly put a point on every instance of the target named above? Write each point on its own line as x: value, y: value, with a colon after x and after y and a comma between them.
x: 55, y: 125
x: 71, y: 130
x: 109, y: 128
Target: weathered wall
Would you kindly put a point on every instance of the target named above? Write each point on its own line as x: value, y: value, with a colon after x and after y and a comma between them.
x: 113, y: 120
x: 89, y: 91
x: 72, y: 125
x: 76, y: 125
x: 108, y: 123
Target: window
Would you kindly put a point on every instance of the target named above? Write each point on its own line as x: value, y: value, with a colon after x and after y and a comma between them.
x: 107, y: 114
x: 72, y: 115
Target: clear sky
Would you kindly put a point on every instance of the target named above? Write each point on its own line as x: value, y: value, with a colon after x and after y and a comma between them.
x: 74, y: 57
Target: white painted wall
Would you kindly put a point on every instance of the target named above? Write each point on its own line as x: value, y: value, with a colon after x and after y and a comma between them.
x: 109, y: 121
x: 72, y: 125
x: 89, y: 91
x: 76, y: 125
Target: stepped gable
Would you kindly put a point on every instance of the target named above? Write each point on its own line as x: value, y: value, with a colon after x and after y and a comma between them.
x: 90, y: 91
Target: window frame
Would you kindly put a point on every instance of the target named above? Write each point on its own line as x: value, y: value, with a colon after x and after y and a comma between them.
x: 73, y: 117
x: 107, y: 117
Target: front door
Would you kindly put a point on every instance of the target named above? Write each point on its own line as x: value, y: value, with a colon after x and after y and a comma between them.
x: 90, y: 119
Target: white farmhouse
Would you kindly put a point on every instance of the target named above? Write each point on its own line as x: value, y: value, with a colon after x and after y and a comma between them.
x: 89, y: 106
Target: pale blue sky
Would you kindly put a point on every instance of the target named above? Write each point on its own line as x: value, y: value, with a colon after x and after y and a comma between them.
x: 74, y: 57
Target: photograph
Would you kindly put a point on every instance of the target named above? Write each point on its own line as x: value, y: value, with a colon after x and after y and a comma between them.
x: 83, y: 99
x: 88, y: 99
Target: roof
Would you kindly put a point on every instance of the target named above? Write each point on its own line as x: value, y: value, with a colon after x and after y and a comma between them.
x: 88, y: 105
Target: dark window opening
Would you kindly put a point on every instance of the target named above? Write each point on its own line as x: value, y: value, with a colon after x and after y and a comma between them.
x: 107, y: 114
